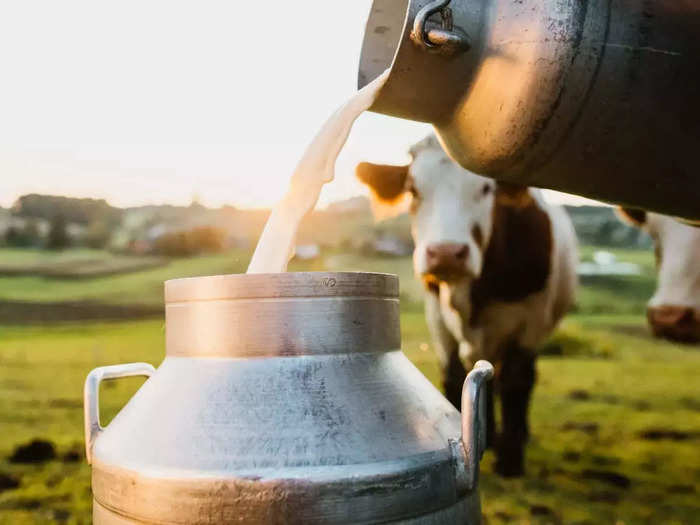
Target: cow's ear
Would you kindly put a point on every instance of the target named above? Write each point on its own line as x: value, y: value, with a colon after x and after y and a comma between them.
x: 633, y: 216
x: 515, y: 195
x: 386, y: 182
x: 388, y: 185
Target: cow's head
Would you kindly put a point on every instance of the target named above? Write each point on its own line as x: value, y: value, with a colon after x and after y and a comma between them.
x: 451, y: 208
x: 674, y: 310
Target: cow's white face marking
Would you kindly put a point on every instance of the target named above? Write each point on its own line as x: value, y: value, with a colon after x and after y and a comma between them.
x: 450, y: 205
x: 678, y: 257
x: 674, y: 310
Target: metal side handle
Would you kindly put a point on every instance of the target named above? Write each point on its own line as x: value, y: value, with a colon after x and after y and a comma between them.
x: 469, y: 450
x: 91, y: 396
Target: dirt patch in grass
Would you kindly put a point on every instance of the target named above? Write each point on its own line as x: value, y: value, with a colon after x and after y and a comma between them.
x: 36, y: 451
x: 604, y: 461
x: 573, y: 341
x: 606, y: 476
x: 32, y: 503
x: 604, y: 496
x: 540, y: 510
x: 72, y: 456
x: 579, y: 395
x: 581, y: 426
x: 690, y: 403
x: 8, y: 482
x: 681, y: 489
x: 66, y: 403
x: 657, y: 434
x: 571, y: 456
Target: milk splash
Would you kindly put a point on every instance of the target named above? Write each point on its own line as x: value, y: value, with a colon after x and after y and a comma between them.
x: 316, y: 168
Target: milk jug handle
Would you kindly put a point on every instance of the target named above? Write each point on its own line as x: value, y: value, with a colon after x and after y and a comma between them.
x: 91, y: 396
x: 449, y: 40
x: 473, y: 442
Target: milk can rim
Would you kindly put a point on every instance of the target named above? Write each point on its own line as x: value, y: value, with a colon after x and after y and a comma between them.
x: 282, y: 285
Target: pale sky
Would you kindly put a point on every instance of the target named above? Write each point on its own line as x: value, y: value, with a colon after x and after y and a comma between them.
x: 156, y: 101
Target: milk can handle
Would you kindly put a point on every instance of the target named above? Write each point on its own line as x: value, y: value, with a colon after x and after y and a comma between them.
x: 91, y: 396
x: 449, y: 40
x: 473, y: 442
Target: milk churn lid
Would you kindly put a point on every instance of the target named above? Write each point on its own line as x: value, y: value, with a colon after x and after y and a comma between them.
x: 267, y: 315
x: 274, y: 285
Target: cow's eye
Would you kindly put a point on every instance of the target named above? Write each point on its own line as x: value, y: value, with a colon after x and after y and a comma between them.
x: 486, y: 189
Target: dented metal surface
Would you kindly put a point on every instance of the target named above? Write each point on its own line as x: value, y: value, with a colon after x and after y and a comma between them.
x: 280, y: 417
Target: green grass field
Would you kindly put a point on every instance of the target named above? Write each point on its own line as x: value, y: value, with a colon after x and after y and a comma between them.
x: 615, y: 416
x: 71, y: 264
x: 142, y: 287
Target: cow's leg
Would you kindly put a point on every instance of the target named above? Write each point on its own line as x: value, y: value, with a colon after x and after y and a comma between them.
x: 516, y: 381
x: 454, y: 375
x: 447, y: 350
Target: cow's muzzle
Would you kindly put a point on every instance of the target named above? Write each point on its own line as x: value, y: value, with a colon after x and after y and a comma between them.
x: 677, y: 323
x: 446, y: 261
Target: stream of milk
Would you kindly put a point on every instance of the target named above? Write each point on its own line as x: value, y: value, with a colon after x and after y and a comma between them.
x: 317, y: 167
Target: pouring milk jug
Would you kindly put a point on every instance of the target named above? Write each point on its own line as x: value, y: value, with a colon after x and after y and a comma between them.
x: 594, y: 98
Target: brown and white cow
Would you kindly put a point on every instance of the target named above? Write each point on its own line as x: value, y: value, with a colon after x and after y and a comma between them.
x: 674, y: 310
x: 499, y: 268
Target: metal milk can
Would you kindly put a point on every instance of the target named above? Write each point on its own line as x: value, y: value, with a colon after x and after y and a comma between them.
x: 285, y: 398
x: 595, y: 97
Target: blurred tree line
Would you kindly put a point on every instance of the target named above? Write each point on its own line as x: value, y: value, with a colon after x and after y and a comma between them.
x: 600, y: 226
x: 71, y: 210
x: 23, y: 236
x: 52, y: 222
x: 203, y: 239
x: 95, y: 216
x: 55, y: 223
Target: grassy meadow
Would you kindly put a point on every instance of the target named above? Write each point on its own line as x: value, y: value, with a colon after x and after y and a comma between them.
x: 615, y: 416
